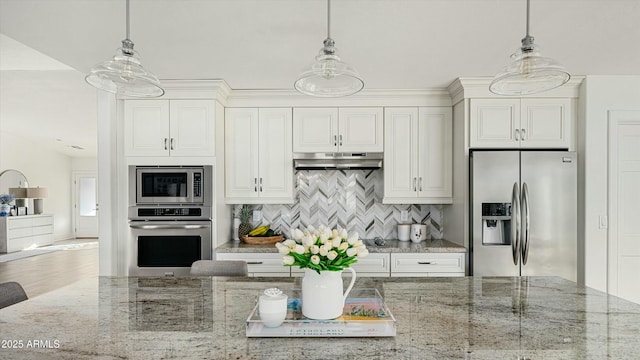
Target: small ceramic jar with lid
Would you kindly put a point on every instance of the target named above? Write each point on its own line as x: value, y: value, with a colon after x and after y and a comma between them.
x: 272, y: 307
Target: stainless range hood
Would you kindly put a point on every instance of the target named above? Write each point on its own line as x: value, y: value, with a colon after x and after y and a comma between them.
x: 329, y: 161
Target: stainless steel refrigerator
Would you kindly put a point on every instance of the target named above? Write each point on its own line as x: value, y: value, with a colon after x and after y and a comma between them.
x: 524, y: 213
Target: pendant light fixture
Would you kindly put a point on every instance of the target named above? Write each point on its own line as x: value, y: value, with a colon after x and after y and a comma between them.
x: 530, y: 72
x: 124, y: 75
x: 329, y: 76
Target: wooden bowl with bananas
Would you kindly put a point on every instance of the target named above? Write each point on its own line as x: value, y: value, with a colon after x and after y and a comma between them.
x: 262, y: 235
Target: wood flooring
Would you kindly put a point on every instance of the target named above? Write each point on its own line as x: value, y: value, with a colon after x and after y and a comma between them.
x: 43, y: 273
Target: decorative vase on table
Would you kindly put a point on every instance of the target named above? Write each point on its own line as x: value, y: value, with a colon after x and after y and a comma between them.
x: 322, y: 296
x: 324, y: 254
x: 5, y: 209
x: 5, y: 204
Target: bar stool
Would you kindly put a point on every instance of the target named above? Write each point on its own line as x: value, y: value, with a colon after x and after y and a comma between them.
x: 11, y: 293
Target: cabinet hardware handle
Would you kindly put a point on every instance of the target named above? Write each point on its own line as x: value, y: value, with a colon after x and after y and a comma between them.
x: 420, y: 182
x: 424, y: 262
x: 255, y: 184
x: 340, y: 140
x: 165, y: 143
x: 171, y: 142
x: 524, y: 134
x: 414, y: 184
x: 335, y: 140
x: 254, y: 262
x: 517, y: 136
x: 260, y: 184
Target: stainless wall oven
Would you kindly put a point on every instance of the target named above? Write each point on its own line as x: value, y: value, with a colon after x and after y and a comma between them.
x: 168, y: 248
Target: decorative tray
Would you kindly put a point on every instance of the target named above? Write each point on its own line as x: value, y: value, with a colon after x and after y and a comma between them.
x: 365, y: 315
x: 261, y: 239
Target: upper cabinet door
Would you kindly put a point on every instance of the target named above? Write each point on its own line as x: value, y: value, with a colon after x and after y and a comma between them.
x: 400, y: 155
x: 146, y: 127
x: 435, y: 148
x: 192, y: 128
x: 315, y: 130
x: 275, y: 175
x: 361, y: 130
x: 546, y: 123
x: 241, y: 153
x: 494, y: 123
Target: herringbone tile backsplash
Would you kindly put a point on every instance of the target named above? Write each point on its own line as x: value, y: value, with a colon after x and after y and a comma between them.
x: 350, y: 199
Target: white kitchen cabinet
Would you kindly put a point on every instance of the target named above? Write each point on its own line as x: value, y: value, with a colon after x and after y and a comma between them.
x: 427, y: 264
x: 169, y: 128
x: 418, y: 155
x: 260, y: 264
x: 358, y: 129
x: 20, y: 232
x: 374, y: 265
x: 259, y: 161
x: 521, y: 123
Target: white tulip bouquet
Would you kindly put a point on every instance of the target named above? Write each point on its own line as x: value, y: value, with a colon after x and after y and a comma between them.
x: 322, y: 249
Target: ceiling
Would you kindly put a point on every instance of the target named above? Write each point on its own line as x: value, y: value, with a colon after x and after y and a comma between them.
x: 48, y: 45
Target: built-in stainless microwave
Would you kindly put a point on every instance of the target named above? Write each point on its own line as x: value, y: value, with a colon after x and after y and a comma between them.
x: 186, y: 185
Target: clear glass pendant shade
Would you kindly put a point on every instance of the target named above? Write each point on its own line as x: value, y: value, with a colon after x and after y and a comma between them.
x: 124, y: 75
x: 529, y: 73
x: 329, y: 76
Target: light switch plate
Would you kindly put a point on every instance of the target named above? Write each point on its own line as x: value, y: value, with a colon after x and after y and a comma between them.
x: 257, y: 215
x: 404, y: 215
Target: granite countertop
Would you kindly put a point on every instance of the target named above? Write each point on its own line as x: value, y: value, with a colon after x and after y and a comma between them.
x: 436, y: 318
x: 391, y: 246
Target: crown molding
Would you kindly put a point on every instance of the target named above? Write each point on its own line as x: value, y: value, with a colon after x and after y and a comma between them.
x: 217, y: 89
x: 369, y: 97
x: 459, y: 89
x: 478, y: 87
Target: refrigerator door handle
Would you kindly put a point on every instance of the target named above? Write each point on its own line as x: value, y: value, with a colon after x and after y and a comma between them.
x: 525, y: 223
x: 515, y: 223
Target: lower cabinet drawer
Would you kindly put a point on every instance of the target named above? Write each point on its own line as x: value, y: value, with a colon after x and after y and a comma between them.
x: 42, y: 220
x: 259, y: 264
x: 19, y: 223
x: 377, y: 264
x: 19, y: 233
x: 427, y: 264
x: 42, y: 230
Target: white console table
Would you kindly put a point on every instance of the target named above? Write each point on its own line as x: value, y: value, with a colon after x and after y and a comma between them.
x: 20, y: 232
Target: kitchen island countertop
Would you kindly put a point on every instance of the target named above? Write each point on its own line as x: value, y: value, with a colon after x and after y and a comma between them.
x: 436, y: 318
x: 391, y: 246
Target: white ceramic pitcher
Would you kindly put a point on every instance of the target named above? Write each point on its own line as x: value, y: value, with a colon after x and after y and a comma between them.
x: 322, y: 296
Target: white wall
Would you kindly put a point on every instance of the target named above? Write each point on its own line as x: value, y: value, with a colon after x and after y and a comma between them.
x: 45, y: 168
x: 84, y: 164
x: 599, y: 94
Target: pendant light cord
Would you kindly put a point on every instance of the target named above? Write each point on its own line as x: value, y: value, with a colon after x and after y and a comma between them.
x: 527, y: 41
x: 127, y: 17
x: 328, y: 19
x: 528, y: 8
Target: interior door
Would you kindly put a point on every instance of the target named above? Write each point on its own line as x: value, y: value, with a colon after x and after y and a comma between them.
x: 494, y: 174
x: 551, y: 178
x: 86, y: 205
x: 624, y: 204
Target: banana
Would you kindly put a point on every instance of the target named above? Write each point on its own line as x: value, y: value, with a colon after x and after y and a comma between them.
x: 260, y: 230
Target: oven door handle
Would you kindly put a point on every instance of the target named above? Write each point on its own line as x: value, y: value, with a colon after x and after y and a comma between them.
x: 156, y: 227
